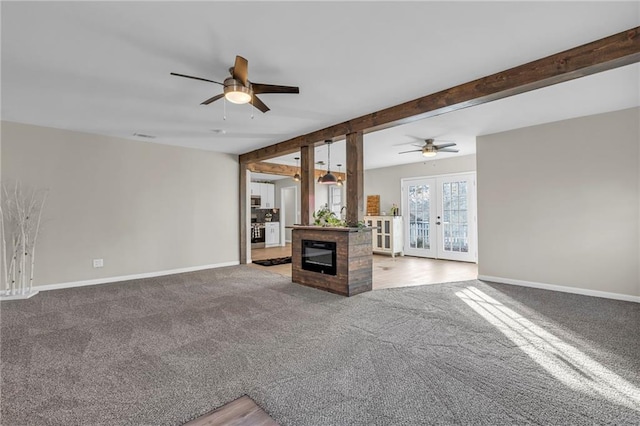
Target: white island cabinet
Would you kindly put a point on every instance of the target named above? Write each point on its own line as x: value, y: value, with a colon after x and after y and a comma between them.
x: 271, y: 234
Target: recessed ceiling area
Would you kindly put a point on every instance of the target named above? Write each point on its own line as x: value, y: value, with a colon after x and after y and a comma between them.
x: 104, y: 68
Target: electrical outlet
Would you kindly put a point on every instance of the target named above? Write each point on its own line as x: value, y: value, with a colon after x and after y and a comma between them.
x: 98, y: 263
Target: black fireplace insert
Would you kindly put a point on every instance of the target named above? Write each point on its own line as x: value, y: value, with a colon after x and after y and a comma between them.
x: 319, y: 256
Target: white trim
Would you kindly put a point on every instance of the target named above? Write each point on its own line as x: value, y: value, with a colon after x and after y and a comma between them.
x: 133, y: 277
x: 18, y: 296
x: 561, y: 288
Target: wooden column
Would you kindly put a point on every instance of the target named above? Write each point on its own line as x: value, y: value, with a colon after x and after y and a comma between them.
x: 355, y: 178
x: 307, y: 184
x: 244, y: 220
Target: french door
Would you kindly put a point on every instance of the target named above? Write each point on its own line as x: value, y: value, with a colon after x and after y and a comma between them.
x: 439, y: 217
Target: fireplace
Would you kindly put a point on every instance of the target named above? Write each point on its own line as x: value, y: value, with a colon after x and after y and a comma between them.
x: 334, y: 259
x: 319, y: 256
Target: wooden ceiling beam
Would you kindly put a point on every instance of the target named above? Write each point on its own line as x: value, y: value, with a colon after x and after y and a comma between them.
x: 601, y: 55
x: 285, y: 170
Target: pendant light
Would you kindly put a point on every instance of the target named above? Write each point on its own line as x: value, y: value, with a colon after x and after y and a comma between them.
x: 329, y: 178
x: 339, y: 182
x: 296, y: 177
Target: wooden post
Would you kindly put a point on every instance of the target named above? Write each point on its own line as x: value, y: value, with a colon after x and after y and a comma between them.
x: 307, y: 184
x: 244, y: 220
x: 355, y: 178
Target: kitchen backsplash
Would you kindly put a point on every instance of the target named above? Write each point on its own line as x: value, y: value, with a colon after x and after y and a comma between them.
x: 262, y: 215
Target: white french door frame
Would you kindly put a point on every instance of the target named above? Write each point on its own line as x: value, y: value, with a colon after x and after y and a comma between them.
x: 437, y: 224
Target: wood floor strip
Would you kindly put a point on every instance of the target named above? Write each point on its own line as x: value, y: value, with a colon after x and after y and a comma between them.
x: 389, y: 272
x: 240, y: 412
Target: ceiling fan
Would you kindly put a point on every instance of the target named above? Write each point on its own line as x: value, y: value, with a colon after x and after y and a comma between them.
x: 238, y: 89
x: 430, y: 150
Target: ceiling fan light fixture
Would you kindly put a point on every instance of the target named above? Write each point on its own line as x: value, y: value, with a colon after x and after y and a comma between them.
x: 235, y: 92
x: 429, y: 153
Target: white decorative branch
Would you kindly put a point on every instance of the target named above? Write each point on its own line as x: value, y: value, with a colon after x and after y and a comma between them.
x: 21, y: 215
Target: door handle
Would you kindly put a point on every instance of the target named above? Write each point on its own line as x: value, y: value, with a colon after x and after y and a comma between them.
x: 437, y: 223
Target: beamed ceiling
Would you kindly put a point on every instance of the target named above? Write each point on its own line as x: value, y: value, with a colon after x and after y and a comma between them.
x: 103, y: 68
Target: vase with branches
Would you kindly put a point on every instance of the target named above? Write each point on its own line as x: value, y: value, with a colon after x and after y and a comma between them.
x: 20, y: 218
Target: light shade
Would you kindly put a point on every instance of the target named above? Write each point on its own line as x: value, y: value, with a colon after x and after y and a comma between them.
x: 328, y: 179
x: 429, y: 153
x: 236, y: 93
x: 297, y: 176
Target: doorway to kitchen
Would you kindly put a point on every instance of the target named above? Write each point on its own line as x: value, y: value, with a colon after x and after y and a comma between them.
x: 439, y: 215
x: 289, y: 211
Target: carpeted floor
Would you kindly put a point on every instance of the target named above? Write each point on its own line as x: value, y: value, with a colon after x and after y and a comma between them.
x: 163, y: 351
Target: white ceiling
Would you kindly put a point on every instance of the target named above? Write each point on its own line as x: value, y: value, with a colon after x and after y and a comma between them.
x: 103, y: 67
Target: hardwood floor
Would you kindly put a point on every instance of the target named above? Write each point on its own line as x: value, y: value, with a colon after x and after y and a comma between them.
x: 241, y: 412
x: 389, y: 272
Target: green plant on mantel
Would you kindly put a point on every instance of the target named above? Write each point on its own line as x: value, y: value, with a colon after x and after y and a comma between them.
x: 327, y: 218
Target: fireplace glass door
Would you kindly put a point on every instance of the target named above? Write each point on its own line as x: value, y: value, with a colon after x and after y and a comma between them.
x: 319, y: 256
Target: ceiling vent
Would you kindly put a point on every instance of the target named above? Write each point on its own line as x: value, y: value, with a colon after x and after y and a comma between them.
x: 142, y: 135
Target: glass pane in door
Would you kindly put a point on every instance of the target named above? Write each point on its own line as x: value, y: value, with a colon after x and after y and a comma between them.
x: 419, y: 197
x: 455, y: 232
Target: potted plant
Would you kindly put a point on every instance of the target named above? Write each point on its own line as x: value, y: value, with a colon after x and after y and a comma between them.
x: 326, y: 218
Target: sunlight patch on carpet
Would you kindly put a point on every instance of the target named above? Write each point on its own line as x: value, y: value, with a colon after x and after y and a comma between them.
x: 566, y: 363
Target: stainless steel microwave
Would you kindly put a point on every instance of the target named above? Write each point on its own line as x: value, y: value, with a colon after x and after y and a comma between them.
x: 255, y: 201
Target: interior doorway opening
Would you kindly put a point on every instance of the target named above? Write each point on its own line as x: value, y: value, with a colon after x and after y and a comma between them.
x: 289, y: 211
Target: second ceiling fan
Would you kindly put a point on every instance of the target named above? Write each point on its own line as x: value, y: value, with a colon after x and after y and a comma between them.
x: 238, y: 89
x: 430, y: 150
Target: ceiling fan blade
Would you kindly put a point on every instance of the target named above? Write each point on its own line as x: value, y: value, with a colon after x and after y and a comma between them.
x: 273, y: 88
x: 414, y: 150
x: 196, y: 78
x: 215, y: 98
x: 241, y: 70
x: 448, y: 150
x: 445, y: 145
x: 256, y: 102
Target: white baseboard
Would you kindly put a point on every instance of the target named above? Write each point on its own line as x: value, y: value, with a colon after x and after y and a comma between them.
x: 564, y: 289
x: 109, y: 280
x: 18, y: 296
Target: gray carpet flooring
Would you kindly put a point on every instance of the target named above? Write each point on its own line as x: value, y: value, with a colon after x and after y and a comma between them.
x: 163, y: 351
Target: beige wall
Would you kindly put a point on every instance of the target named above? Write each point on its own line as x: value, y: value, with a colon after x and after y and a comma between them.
x: 142, y: 207
x: 559, y: 203
x: 386, y: 181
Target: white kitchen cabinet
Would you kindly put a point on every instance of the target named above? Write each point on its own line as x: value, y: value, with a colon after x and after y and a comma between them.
x: 267, y: 196
x: 266, y: 192
x: 271, y: 234
x: 386, y: 234
x: 255, y: 189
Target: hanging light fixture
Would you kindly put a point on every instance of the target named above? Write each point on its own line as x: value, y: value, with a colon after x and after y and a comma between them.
x: 339, y: 182
x: 296, y: 177
x: 329, y: 178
